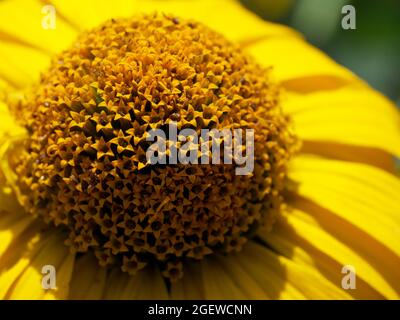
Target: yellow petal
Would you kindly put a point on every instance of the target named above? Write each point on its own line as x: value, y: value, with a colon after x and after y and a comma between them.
x: 234, y: 276
x: 17, y: 259
x: 90, y: 13
x: 23, y: 262
x: 11, y: 226
x: 8, y: 202
x: 64, y: 274
x: 21, y: 65
x: 271, y: 278
x: 225, y: 16
x: 189, y: 287
x: 345, y: 152
x: 218, y: 284
x: 8, y: 126
x: 258, y: 273
x: 298, y: 280
x: 350, y: 115
x: 21, y: 22
x: 88, y: 280
x: 9, y: 133
x: 365, y: 196
x: 147, y: 284
x: 4, y: 87
x: 224, y: 278
x: 221, y: 15
x: 292, y: 58
x: 28, y: 284
x: 310, y: 243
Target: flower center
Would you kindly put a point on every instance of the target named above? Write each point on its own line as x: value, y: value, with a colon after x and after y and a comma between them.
x: 84, y: 168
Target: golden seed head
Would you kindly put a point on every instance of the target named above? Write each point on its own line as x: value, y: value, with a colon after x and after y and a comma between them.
x: 84, y: 167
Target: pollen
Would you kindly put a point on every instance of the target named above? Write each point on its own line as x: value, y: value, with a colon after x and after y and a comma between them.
x: 84, y: 169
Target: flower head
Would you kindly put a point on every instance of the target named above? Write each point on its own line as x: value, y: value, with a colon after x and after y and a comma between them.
x: 84, y: 167
x: 79, y: 192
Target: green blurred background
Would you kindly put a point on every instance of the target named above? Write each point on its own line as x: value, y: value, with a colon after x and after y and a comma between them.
x: 372, y: 51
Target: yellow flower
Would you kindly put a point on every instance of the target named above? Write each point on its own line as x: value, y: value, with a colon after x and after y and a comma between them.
x: 342, y: 203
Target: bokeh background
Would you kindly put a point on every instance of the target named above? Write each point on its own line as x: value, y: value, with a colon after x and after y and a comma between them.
x: 372, y: 51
